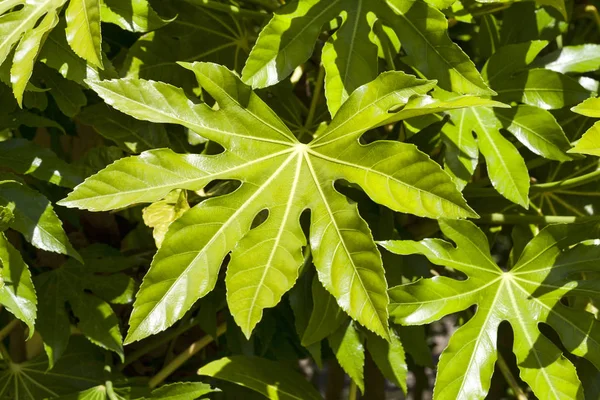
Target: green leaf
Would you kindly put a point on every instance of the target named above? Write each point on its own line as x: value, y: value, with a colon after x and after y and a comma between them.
x: 511, y: 59
x: 326, y: 316
x: 87, y: 294
x: 527, y: 295
x: 590, y: 141
x: 35, y: 218
x: 83, y: 30
x: 577, y: 59
x: 81, y: 367
x: 68, y: 95
x: 541, y: 88
x: 26, y: 157
x: 132, y: 135
x: 350, y: 55
x: 280, y: 175
x: 57, y: 54
x: 132, y: 15
x: 389, y: 358
x: 268, y: 378
x: 589, y: 108
x: 17, y: 293
x: 506, y: 167
x: 347, y: 345
x: 197, y: 34
x: 537, y: 129
x: 26, y: 53
x: 24, y: 29
x: 181, y: 391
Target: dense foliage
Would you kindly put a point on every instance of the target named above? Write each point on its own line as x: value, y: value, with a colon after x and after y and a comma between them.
x: 239, y: 199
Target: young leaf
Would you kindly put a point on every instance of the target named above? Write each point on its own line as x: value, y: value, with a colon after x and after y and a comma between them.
x: 350, y: 56
x: 525, y: 296
x: 269, y: 378
x: 83, y: 30
x: 280, y: 175
x: 161, y: 214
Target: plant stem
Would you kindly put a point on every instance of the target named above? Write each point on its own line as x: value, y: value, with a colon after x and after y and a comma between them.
x: 183, y: 357
x: 510, y: 379
x: 270, y: 5
x: 157, y: 343
x: 315, y: 99
x: 213, y: 5
x: 541, y: 187
x: 4, y: 332
x: 516, y: 219
x: 353, y: 391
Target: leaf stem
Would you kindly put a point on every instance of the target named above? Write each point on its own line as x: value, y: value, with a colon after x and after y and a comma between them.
x: 540, y: 187
x: 230, y: 9
x: 516, y: 219
x: 353, y: 391
x: 4, y: 332
x: 270, y: 5
x: 183, y: 357
x: 315, y: 100
x: 157, y: 343
x: 510, y: 379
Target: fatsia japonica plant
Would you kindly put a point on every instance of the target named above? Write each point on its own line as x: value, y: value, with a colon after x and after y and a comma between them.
x: 244, y: 199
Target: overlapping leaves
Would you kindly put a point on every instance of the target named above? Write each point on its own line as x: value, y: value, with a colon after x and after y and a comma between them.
x: 532, y: 292
x: 508, y: 73
x: 25, y: 26
x: 350, y: 55
x: 278, y: 174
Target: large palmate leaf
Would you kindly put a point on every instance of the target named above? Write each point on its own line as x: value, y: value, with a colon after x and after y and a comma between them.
x: 547, y: 271
x: 534, y: 127
x: 278, y: 174
x: 590, y: 141
x: 81, y: 367
x: 197, y: 34
x: 350, y: 54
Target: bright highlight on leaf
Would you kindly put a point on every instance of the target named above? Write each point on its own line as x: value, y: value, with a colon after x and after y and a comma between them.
x: 533, y: 292
x: 278, y: 174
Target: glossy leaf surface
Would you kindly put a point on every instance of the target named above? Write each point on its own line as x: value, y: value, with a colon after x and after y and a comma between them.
x: 283, y: 176
x: 528, y: 294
